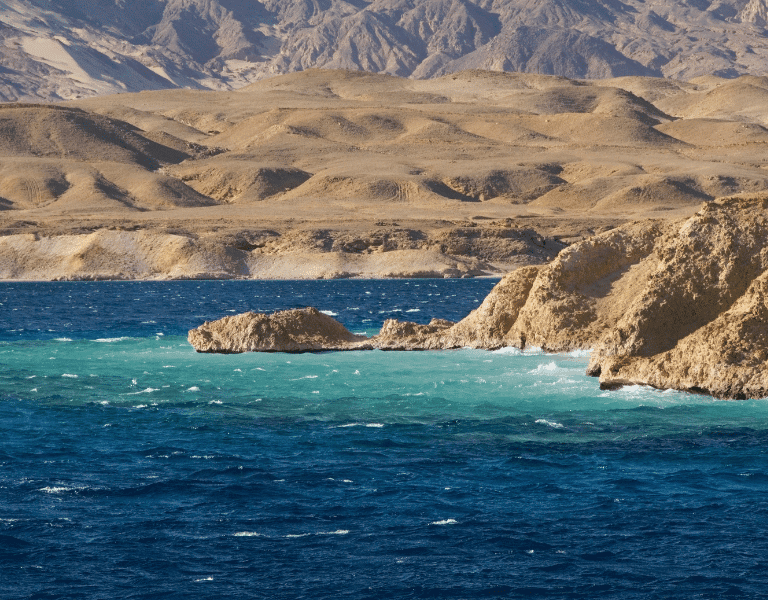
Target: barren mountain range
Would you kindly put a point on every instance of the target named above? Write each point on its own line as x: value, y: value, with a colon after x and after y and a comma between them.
x: 66, y: 49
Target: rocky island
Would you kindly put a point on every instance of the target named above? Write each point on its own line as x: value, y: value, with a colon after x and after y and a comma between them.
x: 671, y: 304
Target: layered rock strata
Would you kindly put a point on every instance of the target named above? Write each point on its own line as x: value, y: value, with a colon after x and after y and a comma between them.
x: 679, y: 305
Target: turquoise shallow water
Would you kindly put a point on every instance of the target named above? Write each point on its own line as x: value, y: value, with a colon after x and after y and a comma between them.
x: 130, y: 466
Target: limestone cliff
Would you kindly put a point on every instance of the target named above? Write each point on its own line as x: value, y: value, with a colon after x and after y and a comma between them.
x: 298, y: 330
x: 679, y: 305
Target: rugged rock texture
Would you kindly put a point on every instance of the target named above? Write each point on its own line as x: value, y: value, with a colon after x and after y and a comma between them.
x: 299, y: 330
x: 699, y: 322
x: 679, y: 305
x: 54, y: 49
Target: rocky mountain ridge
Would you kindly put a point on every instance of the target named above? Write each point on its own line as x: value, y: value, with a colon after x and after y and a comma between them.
x: 57, y: 49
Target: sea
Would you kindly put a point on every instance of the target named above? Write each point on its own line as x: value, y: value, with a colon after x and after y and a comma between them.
x: 132, y: 467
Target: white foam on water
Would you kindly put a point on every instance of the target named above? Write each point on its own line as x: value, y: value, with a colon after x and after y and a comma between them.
x: 445, y: 522
x: 337, y: 532
x: 148, y: 390
x: 247, y: 534
x: 297, y: 535
x: 69, y: 375
x: 552, y: 424
x: 508, y: 350
x: 215, y: 402
x: 413, y: 310
x: 62, y: 340
x: 59, y: 489
x: 204, y: 579
x: 579, y: 353
x: 350, y: 425
x: 33, y: 390
x: 238, y: 371
x: 376, y: 425
x: 330, y: 313
x: 194, y: 388
x: 316, y: 392
x: 31, y: 376
x: 111, y: 340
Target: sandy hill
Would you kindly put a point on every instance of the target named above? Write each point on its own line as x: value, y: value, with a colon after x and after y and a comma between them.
x: 322, y: 164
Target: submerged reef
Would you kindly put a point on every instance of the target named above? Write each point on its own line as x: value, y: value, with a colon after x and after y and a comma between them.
x: 672, y: 304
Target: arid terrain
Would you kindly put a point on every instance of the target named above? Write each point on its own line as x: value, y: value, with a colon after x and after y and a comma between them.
x: 337, y: 173
x: 68, y: 49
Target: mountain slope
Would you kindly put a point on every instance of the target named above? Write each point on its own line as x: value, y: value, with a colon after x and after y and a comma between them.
x: 65, y: 49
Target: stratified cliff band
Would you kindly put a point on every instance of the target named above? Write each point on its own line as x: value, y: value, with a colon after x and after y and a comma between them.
x: 678, y: 305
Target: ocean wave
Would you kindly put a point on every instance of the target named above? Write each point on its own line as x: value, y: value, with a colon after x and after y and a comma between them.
x: 69, y: 375
x: 445, y: 522
x: 247, y: 534
x: 553, y: 424
x: 61, y: 489
x: 330, y: 313
x: 111, y: 340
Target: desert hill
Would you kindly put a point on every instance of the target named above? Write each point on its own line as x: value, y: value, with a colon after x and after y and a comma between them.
x: 339, y: 173
x: 66, y: 49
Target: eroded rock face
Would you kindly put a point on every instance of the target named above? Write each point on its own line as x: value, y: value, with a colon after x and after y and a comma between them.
x: 699, y: 322
x: 681, y: 305
x: 298, y: 330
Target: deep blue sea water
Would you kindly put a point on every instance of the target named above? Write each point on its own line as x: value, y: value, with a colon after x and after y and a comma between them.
x: 132, y: 467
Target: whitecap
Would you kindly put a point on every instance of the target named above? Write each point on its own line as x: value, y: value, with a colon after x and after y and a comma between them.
x: 553, y: 424
x: 377, y: 425
x: 330, y: 313
x: 111, y: 340
x: 349, y: 425
x: 247, y: 534
x: 413, y: 310
x: 297, y: 535
x: 194, y: 388
x: 337, y: 532
x: 69, y: 375
x: 204, y: 579
x: 59, y: 489
x: 550, y: 367
x: 148, y: 390
x: 31, y: 376
x: 445, y: 522
x: 63, y: 339
x: 215, y: 402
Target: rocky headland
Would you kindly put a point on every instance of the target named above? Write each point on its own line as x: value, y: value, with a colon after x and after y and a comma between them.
x: 671, y: 304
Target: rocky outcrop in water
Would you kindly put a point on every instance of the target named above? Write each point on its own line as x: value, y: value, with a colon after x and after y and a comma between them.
x: 680, y: 305
x: 298, y: 330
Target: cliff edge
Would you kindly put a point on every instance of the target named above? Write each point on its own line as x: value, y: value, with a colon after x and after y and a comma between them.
x: 680, y: 305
